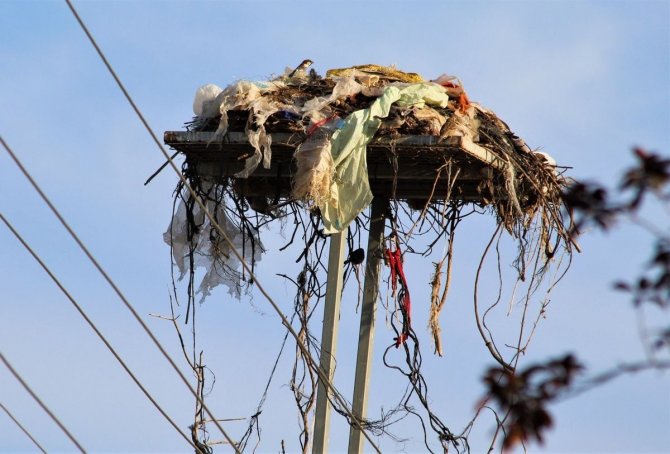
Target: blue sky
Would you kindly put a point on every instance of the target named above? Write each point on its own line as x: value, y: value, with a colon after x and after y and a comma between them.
x: 583, y: 80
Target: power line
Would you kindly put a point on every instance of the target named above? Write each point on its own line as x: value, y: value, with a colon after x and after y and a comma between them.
x: 116, y: 289
x: 41, y: 404
x: 23, y: 429
x: 322, y: 375
x: 94, y: 328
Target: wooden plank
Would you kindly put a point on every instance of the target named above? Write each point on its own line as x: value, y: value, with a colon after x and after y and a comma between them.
x: 403, y: 167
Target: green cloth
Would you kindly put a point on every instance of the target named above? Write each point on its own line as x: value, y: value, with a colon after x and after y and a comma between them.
x: 350, y: 190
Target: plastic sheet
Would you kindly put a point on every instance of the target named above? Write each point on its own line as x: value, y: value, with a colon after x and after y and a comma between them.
x: 386, y: 72
x: 235, y: 96
x: 350, y: 189
x: 344, y: 88
x: 204, y: 103
x: 208, y: 249
x: 247, y: 95
x: 314, y: 165
x: 260, y: 110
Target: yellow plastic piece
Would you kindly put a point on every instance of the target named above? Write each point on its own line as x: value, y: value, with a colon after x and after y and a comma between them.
x: 386, y: 72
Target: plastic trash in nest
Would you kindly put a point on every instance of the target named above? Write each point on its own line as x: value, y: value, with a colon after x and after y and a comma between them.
x: 247, y: 95
x: 350, y: 189
x: 384, y: 72
x: 259, y: 139
x: 209, y: 249
x: 431, y: 117
x: 455, y: 90
x: 449, y: 81
x: 204, y: 103
x: 314, y: 163
x: 422, y: 94
x: 234, y: 96
x: 315, y: 108
x: 240, y: 96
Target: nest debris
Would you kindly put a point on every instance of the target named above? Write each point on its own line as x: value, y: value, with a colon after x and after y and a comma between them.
x: 521, y: 186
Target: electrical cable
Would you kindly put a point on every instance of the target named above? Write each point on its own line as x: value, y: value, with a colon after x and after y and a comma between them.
x: 40, y: 403
x: 115, y: 288
x: 23, y: 429
x: 94, y: 328
x: 322, y: 375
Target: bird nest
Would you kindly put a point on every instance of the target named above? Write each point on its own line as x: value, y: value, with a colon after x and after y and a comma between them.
x: 329, y: 144
x: 310, y: 153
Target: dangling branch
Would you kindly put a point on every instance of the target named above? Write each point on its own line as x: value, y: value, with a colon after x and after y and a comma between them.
x: 436, y: 305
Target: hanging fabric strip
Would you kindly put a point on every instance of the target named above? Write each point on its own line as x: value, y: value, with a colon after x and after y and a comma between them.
x: 398, y: 274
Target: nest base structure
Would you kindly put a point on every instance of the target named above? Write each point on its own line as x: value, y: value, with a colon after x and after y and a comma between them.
x: 403, y: 168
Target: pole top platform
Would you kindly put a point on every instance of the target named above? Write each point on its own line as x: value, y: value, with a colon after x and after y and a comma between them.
x: 409, y: 162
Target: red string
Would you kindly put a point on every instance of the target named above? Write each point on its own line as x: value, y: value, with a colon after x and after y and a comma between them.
x: 318, y: 124
x: 397, y: 271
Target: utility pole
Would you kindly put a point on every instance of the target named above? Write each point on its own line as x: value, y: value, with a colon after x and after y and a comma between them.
x: 366, y: 333
x: 331, y: 324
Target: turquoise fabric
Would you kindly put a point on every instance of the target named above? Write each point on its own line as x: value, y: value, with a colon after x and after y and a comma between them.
x: 350, y: 190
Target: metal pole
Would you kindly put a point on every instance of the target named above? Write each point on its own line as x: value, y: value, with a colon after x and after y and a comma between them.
x: 367, y: 329
x: 331, y: 322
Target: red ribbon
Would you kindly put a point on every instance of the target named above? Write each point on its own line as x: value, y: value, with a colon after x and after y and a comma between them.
x: 395, y: 263
x: 318, y: 124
